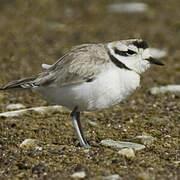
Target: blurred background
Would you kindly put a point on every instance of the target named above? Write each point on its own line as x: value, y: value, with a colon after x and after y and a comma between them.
x: 35, y: 32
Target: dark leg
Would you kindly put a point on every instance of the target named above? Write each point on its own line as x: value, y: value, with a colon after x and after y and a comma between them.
x: 75, y: 116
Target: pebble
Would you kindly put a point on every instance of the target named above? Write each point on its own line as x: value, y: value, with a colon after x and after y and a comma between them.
x: 157, y: 53
x: 86, y: 150
x: 79, y: 175
x: 177, y: 163
x: 128, y: 152
x: 29, y: 144
x: 164, y: 89
x: 146, y: 140
x: 41, y: 109
x: 122, y: 144
x: 92, y: 123
x: 15, y: 106
x: 112, y: 177
x: 131, y: 7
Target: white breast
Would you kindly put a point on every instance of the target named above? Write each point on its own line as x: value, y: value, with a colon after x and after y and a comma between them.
x: 108, y: 89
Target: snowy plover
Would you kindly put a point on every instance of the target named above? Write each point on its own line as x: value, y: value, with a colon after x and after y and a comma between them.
x: 91, y: 77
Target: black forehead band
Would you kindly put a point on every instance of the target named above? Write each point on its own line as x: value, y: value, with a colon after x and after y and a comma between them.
x: 141, y: 44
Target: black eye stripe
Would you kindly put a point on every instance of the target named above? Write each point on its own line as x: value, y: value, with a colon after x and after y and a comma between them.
x: 124, y: 53
x: 121, y: 53
x: 117, y: 62
x: 131, y: 52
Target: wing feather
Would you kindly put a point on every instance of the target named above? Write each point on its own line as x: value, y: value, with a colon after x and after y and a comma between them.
x: 80, y: 64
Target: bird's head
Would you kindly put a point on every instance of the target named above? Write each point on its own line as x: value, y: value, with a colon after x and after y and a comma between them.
x: 133, y: 54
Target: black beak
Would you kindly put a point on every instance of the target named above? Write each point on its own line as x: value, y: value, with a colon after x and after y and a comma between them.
x: 155, y: 61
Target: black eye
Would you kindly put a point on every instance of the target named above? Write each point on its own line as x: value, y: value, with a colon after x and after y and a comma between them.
x: 124, y: 53
x: 121, y: 53
x: 131, y: 52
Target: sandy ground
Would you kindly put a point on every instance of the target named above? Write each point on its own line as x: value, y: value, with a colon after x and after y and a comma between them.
x: 36, y: 32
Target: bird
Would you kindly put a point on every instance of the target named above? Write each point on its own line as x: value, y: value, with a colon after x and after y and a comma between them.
x: 91, y: 77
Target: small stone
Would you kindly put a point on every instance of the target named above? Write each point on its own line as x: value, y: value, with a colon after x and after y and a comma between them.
x: 125, y: 130
x: 112, y: 177
x: 41, y: 110
x: 38, y: 148
x: 29, y: 144
x: 177, y: 163
x: 79, y: 175
x: 130, y: 7
x: 86, y: 150
x: 15, y: 106
x: 157, y: 53
x: 146, y: 140
x: 167, y: 136
x: 92, y: 123
x: 128, y: 152
x: 122, y: 144
x: 164, y: 89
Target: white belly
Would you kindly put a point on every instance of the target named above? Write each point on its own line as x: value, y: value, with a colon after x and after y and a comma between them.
x: 106, y: 90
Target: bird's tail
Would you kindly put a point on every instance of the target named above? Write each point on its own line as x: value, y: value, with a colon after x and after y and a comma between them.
x: 21, y: 83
